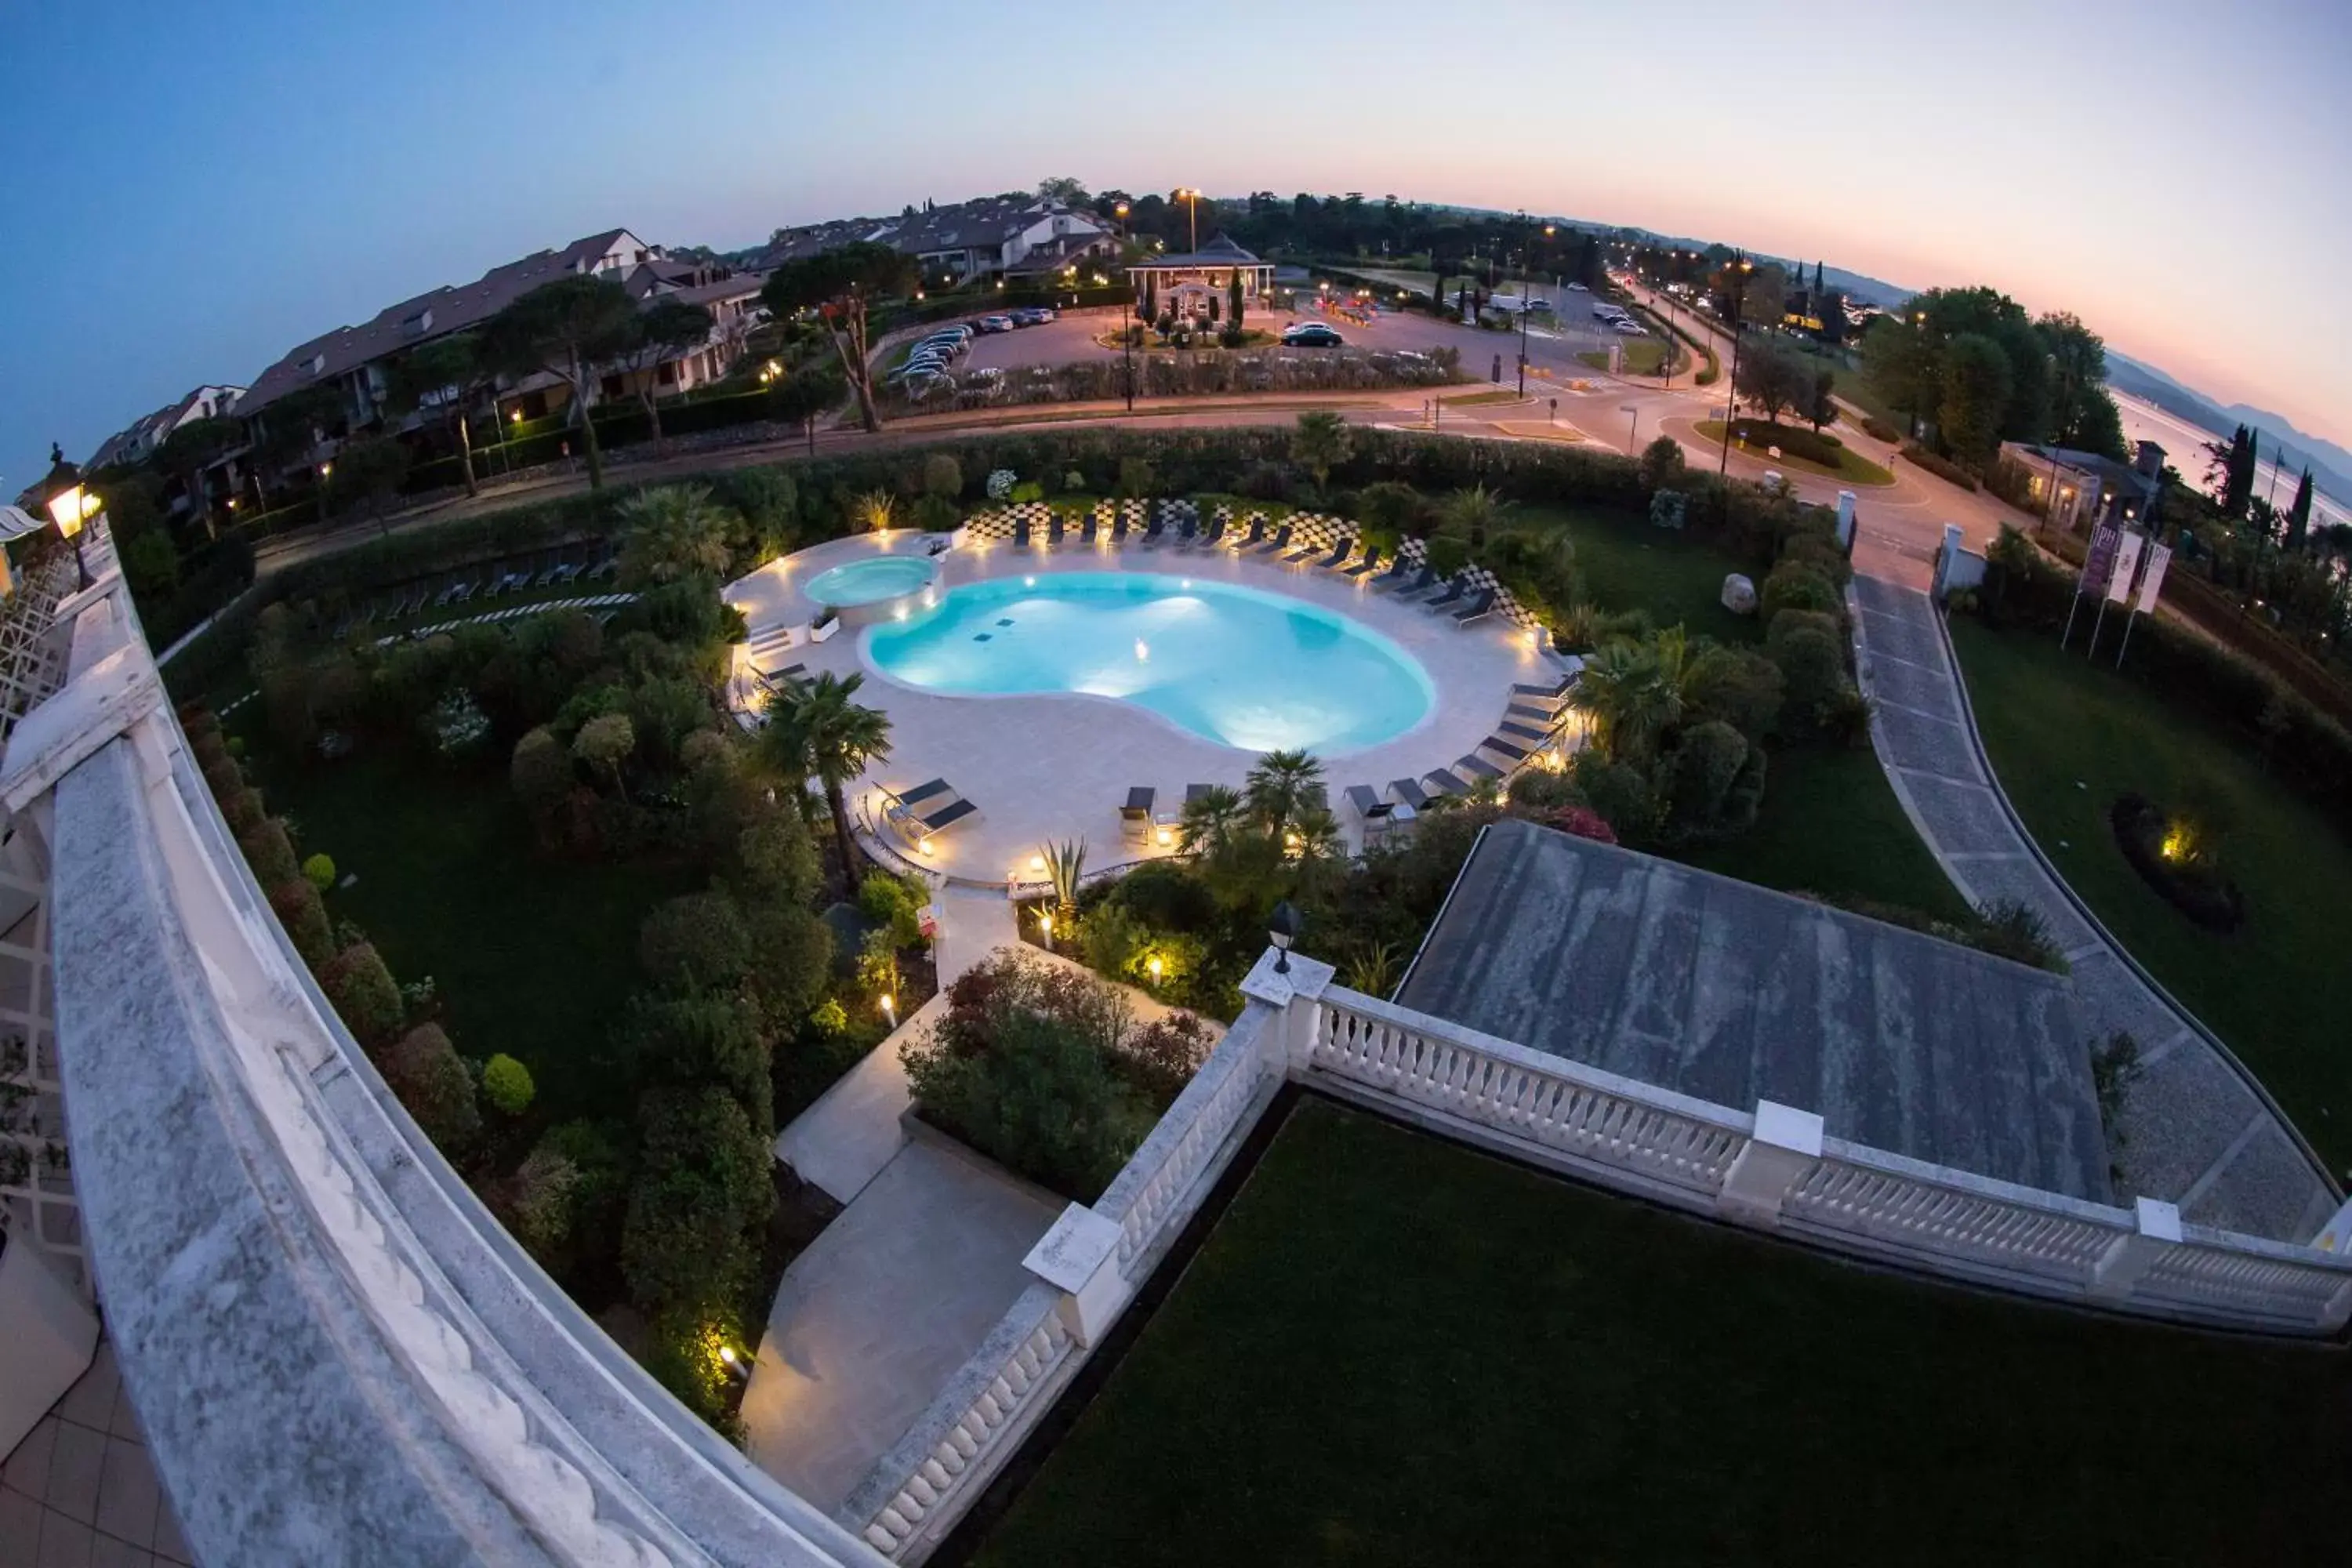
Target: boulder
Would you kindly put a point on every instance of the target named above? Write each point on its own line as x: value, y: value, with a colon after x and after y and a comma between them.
x: 1738, y: 595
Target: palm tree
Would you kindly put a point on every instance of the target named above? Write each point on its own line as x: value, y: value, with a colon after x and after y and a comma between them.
x: 1321, y: 444
x: 1211, y: 820
x: 1283, y: 788
x: 673, y: 532
x: 1473, y: 513
x: 817, y: 732
x: 1632, y: 700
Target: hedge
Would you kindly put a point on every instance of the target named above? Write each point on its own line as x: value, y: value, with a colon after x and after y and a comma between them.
x: 365, y: 994
x: 1943, y: 469
x: 1796, y: 440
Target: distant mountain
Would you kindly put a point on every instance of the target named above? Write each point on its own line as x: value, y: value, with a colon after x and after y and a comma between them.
x: 2331, y: 464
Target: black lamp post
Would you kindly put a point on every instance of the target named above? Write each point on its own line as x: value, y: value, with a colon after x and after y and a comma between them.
x: 1738, y: 272
x: 1283, y: 926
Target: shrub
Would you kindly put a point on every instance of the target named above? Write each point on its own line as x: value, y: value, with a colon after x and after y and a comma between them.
x: 1811, y: 662
x: 1794, y: 440
x: 242, y: 810
x: 538, y: 1206
x: 681, y: 1351
x: 506, y: 1085
x: 1447, y: 554
x: 270, y: 853
x: 1620, y: 793
x: 1001, y: 484
x: 1879, y: 429
x: 942, y: 476
x: 701, y: 1192
x: 1111, y: 938
x: 297, y: 906
x: 1662, y: 464
x: 319, y: 871
x: 1737, y: 685
x: 1818, y: 552
x: 365, y: 996
x: 428, y: 1078
x: 1163, y: 1055
x: 896, y: 903
x: 697, y: 940
x: 2012, y: 929
x: 1793, y: 586
x: 692, y: 1038
x: 1845, y: 717
x: 1942, y: 468
x: 1669, y: 509
x: 1042, y: 1101
x: 1164, y: 895
x: 1582, y: 822
x: 1697, y: 777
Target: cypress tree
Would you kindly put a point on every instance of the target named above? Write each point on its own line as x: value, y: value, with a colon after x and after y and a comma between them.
x: 2238, y: 474
x: 2298, y: 516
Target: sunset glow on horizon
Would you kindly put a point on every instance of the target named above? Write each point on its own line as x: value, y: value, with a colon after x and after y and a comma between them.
x: 202, y: 190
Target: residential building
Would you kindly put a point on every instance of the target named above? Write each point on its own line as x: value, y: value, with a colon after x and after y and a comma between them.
x: 138, y: 441
x: 2092, y: 487
x: 993, y: 235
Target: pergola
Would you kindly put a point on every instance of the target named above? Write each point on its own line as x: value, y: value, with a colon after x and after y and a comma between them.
x: 1195, y: 282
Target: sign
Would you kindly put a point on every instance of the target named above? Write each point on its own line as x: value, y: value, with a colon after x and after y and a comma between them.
x: 2119, y: 582
x: 2158, y: 558
x: 2101, y: 562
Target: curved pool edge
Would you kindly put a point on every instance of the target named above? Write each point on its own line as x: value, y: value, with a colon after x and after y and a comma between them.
x: 1403, y: 658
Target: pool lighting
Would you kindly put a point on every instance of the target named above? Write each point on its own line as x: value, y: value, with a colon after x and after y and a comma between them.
x: 1028, y: 582
x: 928, y: 847
x: 1167, y: 836
x: 1143, y: 650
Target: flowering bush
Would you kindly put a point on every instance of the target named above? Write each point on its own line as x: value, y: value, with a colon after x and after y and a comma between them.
x: 456, y: 724
x: 1584, y: 823
x: 320, y: 869
x: 1001, y: 482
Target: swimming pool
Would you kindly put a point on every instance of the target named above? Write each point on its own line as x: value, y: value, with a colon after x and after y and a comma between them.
x: 1238, y: 665
x: 869, y: 582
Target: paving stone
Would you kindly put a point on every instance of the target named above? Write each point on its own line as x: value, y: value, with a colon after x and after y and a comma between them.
x: 1899, y: 685
x: 127, y: 1494
x: 20, y: 1530
x: 75, y: 1467
x: 1962, y: 819
x: 2265, y: 1191
x: 1927, y: 745
x: 28, y: 1467
x: 2178, y: 1120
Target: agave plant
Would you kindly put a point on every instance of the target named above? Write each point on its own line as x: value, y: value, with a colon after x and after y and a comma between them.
x: 875, y: 511
x: 1066, y: 863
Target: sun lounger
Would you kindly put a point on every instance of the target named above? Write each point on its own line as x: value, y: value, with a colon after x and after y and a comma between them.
x: 1481, y: 606
x: 1086, y: 529
x: 605, y: 568
x: 1474, y: 763
x: 1153, y: 532
x: 1135, y: 817
x: 933, y: 790
x: 947, y: 815
x: 1365, y: 567
x: 1301, y: 555
x: 1553, y: 691
x: 1409, y: 792
x: 1214, y: 534
x: 1020, y: 534
x: 1420, y: 580
x: 1533, y: 734
x: 1053, y: 534
x: 1445, y: 601
x: 1119, y: 530
x: 1278, y: 544
x: 1255, y: 537
x: 1442, y: 784
x: 1502, y: 747
x: 1368, y: 806
x: 1186, y: 530
x: 1194, y: 791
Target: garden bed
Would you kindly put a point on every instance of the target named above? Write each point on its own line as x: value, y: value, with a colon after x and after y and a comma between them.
x: 1803, y: 449
x: 2167, y: 855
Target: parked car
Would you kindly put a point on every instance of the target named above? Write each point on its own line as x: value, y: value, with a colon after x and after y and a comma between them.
x: 996, y: 323
x: 1632, y: 329
x: 1032, y: 315
x: 1578, y: 288
x: 1604, y: 312
x: 1540, y: 304
x: 1311, y: 335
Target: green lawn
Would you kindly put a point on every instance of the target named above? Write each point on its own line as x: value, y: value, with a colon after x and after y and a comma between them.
x: 530, y: 956
x: 1852, y: 466
x: 2067, y: 736
x: 1628, y: 564
x: 1392, y: 1350
x: 1831, y: 824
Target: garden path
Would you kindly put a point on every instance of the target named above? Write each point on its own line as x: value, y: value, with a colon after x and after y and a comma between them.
x: 2198, y: 1130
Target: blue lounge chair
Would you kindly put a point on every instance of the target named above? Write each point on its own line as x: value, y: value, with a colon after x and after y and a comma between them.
x: 1020, y: 534
x: 1053, y: 532
x: 1443, y: 784
x: 1555, y: 692
x: 1454, y: 589
x: 1119, y: 530
x: 1278, y: 544
x: 1409, y: 792
x: 1481, y: 606
x: 1255, y: 537
x: 1364, y: 568
x: 1087, y: 531
x: 1153, y: 531
x: 1418, y: 580
x: 1214, y: 534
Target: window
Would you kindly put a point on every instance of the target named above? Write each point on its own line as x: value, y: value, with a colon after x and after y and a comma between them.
x: 611, y: 386
x: 666, y: 375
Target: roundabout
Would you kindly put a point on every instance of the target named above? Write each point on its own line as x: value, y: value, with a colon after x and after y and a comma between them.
x: 1042, y: 686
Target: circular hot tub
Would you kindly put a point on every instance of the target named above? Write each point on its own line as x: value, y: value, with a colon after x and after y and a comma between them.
x: 877, y: 589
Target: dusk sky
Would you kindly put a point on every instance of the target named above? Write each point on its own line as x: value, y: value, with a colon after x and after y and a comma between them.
x: 196, y: 189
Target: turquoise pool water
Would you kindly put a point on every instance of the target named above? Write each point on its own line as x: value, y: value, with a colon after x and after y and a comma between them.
x: 1246, y: 668
x: 864, y: 582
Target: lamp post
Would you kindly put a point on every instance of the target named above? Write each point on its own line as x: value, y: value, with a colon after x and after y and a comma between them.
x: 69, y: 504
x: 1192, y: 200
x: 1740, y: 266
x: 1283, y: 926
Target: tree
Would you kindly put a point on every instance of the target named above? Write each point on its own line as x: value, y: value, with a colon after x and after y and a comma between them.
x: 186, y: 453
x: 1633, y: 701
x: 1976, y: 387
x: 566, y: 328
x: 1773, y: 378
x: 1662, y: 463
x: 696, y: 941
x: 1471, y: 514
x: 604, y: 743
x: 1898, y: 361
x: 1235, y: 303
x: 1821, y: 407
x: 289, y: 431
x: 820, y: 732
x: 703, y: 1189
x: 429, y: 1079
x: 1322, y: 442
x: 444, y: 376
x: 367, y: 473
x: 2238, y: 473
x: 1281, y: 789
x: 2298, y: 515
x: 2078, y: 379
x: 1148, y: 310
x: 839, y: 285
x: 1061, y: 188
x: 665, y: 330
x: 1211, y: 819
x: 673, y: 532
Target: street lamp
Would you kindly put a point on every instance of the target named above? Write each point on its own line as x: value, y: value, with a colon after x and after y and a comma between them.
x: 1283, y: 926
x: 1738, y: 304
x: 70, y: 504
x: 1192, y: 200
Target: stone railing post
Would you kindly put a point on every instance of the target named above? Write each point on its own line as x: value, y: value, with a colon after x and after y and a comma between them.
x: 1784, y: 1146
x: 1297, y: 994
x: 1079, y: 1258
x: 2156, y: 1225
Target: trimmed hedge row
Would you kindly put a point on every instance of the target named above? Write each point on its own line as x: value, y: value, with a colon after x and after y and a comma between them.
x: 1942, y: 468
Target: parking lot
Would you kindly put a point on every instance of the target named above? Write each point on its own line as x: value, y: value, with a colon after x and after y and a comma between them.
x: 1071, y: 338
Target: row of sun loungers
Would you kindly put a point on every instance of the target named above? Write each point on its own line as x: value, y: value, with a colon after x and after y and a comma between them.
x: 920, y: 814
x: 479, y: 586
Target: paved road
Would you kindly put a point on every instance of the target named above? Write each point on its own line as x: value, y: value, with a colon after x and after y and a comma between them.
x: 2196, y: 1133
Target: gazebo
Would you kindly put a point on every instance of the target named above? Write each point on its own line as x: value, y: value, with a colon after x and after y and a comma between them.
x: 1196, y: 283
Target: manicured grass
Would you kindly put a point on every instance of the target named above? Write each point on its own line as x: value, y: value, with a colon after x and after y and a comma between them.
x: 1596, y: 358
x: 530, y: 955
x: 1472, y: 399
x: 1628, y: 564
x: 1392, y: 1350
x: 1850, y: 466
x: 1647, y: 356
x: 2067, y: 736
x: 1831, y: 824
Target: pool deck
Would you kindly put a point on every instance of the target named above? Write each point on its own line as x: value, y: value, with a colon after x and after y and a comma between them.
x: 1046, y: 768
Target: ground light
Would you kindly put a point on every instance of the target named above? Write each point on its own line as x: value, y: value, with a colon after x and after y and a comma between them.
x: 1045, y: 928
x: 890, y: 1008
x: 1155, y: 967
x: 735, y: 1367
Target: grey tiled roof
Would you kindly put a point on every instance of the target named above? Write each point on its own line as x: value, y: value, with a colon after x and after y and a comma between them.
x: 453, y: 309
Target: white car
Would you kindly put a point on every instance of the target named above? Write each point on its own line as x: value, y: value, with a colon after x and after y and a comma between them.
x: 1631, y: 327
x: 1578, y: 288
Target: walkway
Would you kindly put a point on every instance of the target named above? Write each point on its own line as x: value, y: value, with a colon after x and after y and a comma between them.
x: 81, y: 1488
x: 2196, y: 1132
